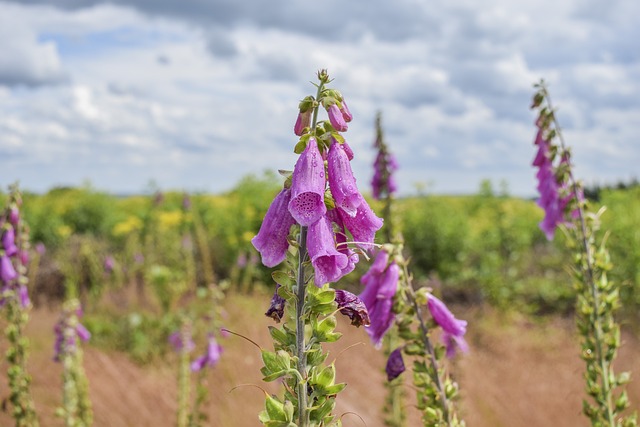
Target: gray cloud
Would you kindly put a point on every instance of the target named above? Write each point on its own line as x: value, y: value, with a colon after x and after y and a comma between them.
x: 197, y: 94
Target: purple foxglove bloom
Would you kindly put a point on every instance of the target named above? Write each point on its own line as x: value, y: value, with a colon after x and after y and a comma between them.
x: 346, y: 114
x: 272, y: 239
x: 303, y: 121
x: 14, y: 216
x: 336, y: 118
x: 381, y: 284
x: 276, y: 308
x: 363, y: 225
x: 329, y: 263
x: 211, y: 358
x: 453, y: 329
x: 82, y: 332
x: 181, y: 343
x: 23, y: 296
x: 551, y: 199
x: 24, y: 257
x: 395, y: 364
x: 307, y: 186
x: 341, y: 242
x: 9, y: 242
x: 7, y: 271
x: 341, y: 180
x: 348, y: 150
x: 353, y: 307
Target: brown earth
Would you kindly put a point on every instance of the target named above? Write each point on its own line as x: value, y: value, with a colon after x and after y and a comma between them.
x: 518, y: 373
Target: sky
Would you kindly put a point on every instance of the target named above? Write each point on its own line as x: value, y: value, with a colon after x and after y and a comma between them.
x: 193, y: 95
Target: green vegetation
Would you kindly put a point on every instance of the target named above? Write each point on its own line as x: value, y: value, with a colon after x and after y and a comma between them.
x: 485, y: 247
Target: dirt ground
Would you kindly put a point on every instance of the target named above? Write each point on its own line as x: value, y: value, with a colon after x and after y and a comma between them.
x: 518, y: 373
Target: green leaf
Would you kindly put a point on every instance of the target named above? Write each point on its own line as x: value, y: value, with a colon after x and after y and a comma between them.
x: 326, y: 376
x: 274, y: 376
x: 275, y: 409
x: 282, y: 278
x: 279, y: 336
x: 335, y: 389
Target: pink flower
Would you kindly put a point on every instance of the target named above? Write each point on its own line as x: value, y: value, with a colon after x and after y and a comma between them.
x: 336, y: 118
x: 381, y: 284
x: 346, y: 114
x: 303, y: 121
x: 210, y: 358
x: 272, y: 239
x: 7, y: 271
x: 395, y: 364
x: 341, y: 180
x: 330, y: 265
x: 453, y: 329
x: 307, y: 186
x: 363, y: 225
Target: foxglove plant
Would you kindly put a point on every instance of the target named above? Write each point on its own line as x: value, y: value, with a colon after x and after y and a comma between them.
x: 319, y: 221
x: 383, y: 188
x: 597, y: 297
x: 76, y: 407
x: 15, y: 303
x: 391, y: 299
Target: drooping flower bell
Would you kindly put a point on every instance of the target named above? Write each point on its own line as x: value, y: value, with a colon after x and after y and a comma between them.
x: 305, y: 111
x: 336, y: 118
x: 272, y: 239
x: 276, y: 308
x: 353, y: 307
x: 308, y: 184
x: 395, y: 364
x: 381, y: 284
x: 9, y: 241
x: 303, y: 121
x: 363, y: 225
x: 329, y: 264
x: 453, y: 330
x: 346, y: 114
x: 7, y: 271
x: 210, y: 358
x: 341, y: 180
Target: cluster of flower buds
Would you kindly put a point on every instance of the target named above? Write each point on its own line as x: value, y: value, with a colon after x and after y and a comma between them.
x: 14, y: 254
x: 557, y: 197
x: 320, y: 194
x: 68, y: 330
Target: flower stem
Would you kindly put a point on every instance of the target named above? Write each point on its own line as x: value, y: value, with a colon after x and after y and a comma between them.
x: 428, y: 347
x: 589, y: 276
x: 303, y: 414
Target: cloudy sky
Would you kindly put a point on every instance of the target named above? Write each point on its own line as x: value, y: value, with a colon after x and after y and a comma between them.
x: 195, y: 94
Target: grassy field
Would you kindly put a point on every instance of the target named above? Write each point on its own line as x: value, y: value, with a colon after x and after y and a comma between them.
x: 519, y: 372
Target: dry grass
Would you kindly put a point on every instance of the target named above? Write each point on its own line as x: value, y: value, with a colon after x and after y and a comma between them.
x: 518, y: 373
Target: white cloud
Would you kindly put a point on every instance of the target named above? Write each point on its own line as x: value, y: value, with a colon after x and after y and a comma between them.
x: 152, y: 90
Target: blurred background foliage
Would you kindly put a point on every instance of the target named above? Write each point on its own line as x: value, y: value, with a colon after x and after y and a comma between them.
x: 162, y: 247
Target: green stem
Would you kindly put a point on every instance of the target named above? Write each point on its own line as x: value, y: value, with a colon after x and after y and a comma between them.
x: 588, y: 267
x: 428, y: 347
x: 303, y: 415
